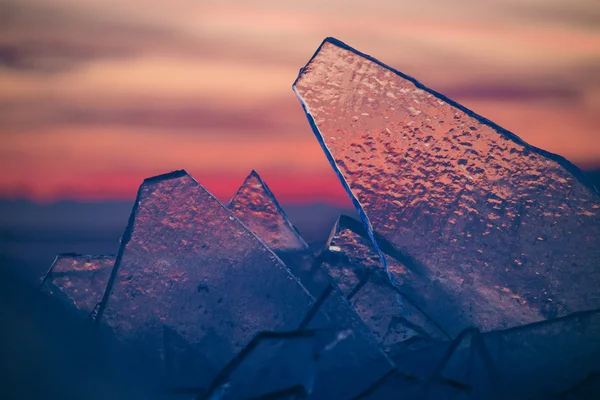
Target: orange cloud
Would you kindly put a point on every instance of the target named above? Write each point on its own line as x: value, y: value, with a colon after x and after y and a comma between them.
x: 97, y: 95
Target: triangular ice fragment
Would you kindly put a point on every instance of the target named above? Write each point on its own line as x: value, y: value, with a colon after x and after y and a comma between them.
x: 396, y: 322
x: 187, y: 263
x: 508, y: 231
x: 79, y: 279
x: 256, y: 206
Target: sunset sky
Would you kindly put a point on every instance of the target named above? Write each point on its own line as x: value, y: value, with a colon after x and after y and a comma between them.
x: 96, y: 95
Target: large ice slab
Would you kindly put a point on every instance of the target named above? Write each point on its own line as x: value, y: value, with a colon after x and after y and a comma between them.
x: 79, y: 279
x: 256, y: 206
x: 508, y: 231
x: 349, y: 257
x: 188, y: 264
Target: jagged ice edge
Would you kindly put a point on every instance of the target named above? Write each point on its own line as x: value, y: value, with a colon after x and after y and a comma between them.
x: 129, y: 231
x: 569, y: 166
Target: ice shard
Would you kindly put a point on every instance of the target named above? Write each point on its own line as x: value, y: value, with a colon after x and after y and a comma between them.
x: 535, y: 361
x: 188, y: 264
x: 79, y: 279
x: 507, y: 233
x: 256, y: 206
x: 391, y: 315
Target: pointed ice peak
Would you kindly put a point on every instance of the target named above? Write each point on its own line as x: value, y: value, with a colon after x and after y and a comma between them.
x: 256, y: 206
x: 79, y: 279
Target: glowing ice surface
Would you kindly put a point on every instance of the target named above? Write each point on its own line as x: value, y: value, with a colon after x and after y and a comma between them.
x: 187, y: 263
x: 355, y: 266
x: 256, y: 206
x: 79, y: 279
x: 507, y: 234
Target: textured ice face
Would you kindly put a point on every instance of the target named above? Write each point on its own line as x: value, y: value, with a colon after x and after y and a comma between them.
x: 388, y: 312
x: 187, y: 263
x: 507, y: 234
x: 256, y: 206
x: 79, y: 279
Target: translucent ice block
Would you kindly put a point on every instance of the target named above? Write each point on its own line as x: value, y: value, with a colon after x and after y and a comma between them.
x: 79, y: 279
x: 256, y: 206
x: 508, y: 232
x: 349, y: 257
x: 187, y: 263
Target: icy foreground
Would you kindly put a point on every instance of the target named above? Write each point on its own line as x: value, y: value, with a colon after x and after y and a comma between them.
x: 506, y: 234
x: 192, y: 286
x: 187, y: 263
x: 474, y: 273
